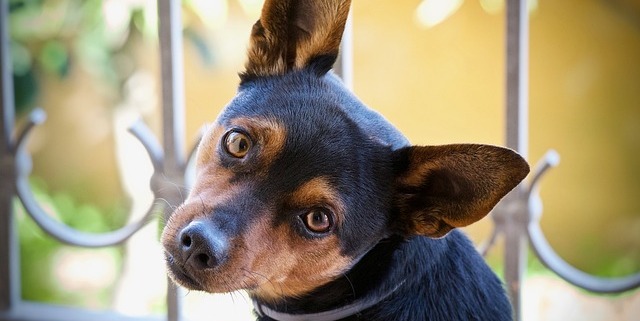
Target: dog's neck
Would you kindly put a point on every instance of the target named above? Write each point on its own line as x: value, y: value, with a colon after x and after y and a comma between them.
x: 348, y: 295
x: 329, y: 315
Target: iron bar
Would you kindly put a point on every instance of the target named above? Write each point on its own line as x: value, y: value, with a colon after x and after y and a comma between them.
x: 516, y: 217
x: 10, y: 260
x: 515, y: 259
x: 28, y: 311
x: 170, y: 34
x: 54, y: 228
x: 150, y: 144
x: 344, y: 64
x: 517, y: 80
x: 171, y: 62
x: 586, y: 281
x: 550, y: 258
x: 520, y: 212
x: 7, y: 117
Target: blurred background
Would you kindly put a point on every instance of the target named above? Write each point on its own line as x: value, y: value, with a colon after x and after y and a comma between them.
x: 434, y: 68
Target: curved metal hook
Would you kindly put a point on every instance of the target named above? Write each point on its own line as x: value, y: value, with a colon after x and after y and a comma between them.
x: 554, y: 262
x: 142, y: 132
x: 487, y: 245
x: 69, y: 235
x: 48, y: 224
x: 549, y: 160
x: 548, y: 255
x: 36, y: 117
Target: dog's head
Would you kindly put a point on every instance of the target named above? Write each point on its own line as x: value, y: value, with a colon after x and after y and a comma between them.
x: 297, y: 180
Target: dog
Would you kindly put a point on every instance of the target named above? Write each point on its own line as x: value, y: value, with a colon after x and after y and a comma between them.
x: 319, y: 208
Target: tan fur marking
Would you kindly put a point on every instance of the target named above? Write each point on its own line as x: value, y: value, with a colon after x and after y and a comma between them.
x: 213, y: 188
x: 318, y: 191
x: 287, y: 265
x: 419, y: 173
x: 291, y: 33
x: 210, y: 189
x: 326, y: 32
x: 269, y: 135
x: 305, y: 264
x: 480, y: 175
x: 208, y: 146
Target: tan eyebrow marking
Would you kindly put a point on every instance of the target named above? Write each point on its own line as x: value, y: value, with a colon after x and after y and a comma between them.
x: 319, y: 191
x: 288, y: 266
x: 268, y: 133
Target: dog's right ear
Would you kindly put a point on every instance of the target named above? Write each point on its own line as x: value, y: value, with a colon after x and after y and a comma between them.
x: 294, y: 34
x: 440, y: 188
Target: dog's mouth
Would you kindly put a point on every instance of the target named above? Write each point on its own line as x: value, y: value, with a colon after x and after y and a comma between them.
x: 180, y: 275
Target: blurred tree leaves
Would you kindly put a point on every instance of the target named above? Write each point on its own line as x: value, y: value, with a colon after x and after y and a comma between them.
x: 54, y: 58
x: 52, y: 37
x: 38, y: 251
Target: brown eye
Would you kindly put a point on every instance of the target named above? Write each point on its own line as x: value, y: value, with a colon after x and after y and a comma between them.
x: 237, y: 144
x: 318, y: 220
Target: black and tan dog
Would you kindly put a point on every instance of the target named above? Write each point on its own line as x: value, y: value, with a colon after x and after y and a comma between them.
x: 319, y: 208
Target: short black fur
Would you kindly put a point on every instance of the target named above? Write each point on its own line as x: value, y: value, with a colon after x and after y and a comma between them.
x: 443, y: 280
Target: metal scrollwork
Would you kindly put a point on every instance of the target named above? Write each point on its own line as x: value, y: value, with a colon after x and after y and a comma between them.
x: 523, y: 210
x: 517, y: 216
x: 55, y: 228
x: 548, y: 255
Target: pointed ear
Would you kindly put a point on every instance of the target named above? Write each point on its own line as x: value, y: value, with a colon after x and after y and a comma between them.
x: 443, y: 187
x: 294, y: 34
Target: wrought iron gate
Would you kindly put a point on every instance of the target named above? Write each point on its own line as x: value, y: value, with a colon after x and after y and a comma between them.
x: 517, y: 217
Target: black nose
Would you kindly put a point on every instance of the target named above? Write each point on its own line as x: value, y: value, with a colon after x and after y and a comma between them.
x: 202, y: 245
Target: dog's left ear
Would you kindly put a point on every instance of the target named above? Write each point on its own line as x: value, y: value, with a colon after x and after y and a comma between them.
x: 294, y: 34
x: 439, y: 188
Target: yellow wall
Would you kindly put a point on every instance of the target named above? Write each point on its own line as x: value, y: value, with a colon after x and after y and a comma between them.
x: 446, y: 84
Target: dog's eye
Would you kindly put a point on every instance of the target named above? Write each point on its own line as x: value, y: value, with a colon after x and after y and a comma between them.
x: 318, y: 220
x: 237, y: 144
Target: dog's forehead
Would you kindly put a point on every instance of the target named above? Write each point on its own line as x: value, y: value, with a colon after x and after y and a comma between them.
x: 292, y: 100
x: 303, y: 100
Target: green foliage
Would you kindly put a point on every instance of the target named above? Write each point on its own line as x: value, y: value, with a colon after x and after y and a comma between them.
x: 54, y: 58
x: 39, y: 252
x: 52, y: 40
x: 52, y: 37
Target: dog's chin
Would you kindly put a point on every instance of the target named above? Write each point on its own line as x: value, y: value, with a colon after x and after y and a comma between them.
x: 184, y: 278
x: 180, y: 277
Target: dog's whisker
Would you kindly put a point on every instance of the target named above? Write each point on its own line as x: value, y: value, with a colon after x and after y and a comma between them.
x: 204, y: 208
x: 273, y: 285
x: 353, y: 289
x: 163, y: 200
x: 232, y: 296
x: 171, y: 186
x: 244, y: 296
